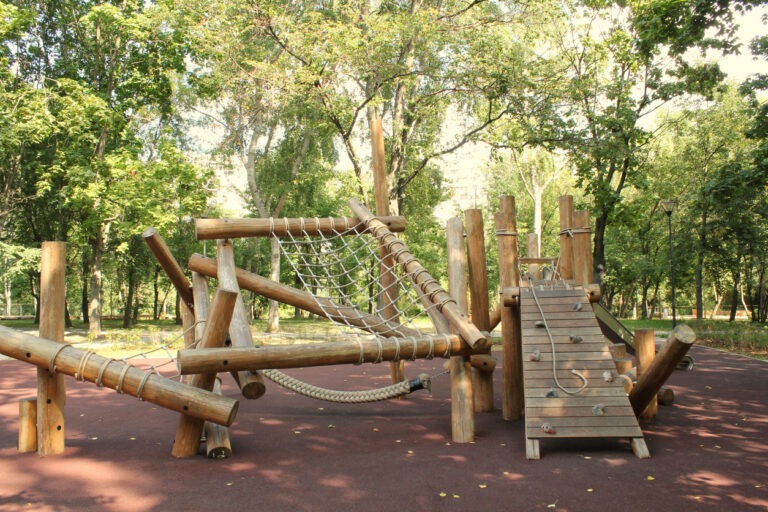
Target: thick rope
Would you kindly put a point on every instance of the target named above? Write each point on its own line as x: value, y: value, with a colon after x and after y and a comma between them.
x: 345, y: 397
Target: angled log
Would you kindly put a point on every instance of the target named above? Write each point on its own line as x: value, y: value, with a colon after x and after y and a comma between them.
x: 251, y: 383
x: 169, y: 265
x: 680, y: 340
x: 190, y: 428
x: 421, y: 276
x: 316, y: 305
x: 89, y: 366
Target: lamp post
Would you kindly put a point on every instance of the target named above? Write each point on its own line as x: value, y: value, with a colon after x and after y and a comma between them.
x: 668, y: 206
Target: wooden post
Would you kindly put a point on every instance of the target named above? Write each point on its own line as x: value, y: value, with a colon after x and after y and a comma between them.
x: 482, y: 381
x: 678, y: 343
x: 217, y: 444
x: 583, y: 273
x: 566, y: 240
x: 27, y: 425
x: 512, y: 367
x: 388, y: 294
x: 190, y: 429
x: 532, y: 251
x: 645, y: 352
x: 251, y: 383
x: 462, y: 408
x: 51, y: 389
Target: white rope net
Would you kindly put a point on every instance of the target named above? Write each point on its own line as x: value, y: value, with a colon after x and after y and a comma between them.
x: 360, y: 291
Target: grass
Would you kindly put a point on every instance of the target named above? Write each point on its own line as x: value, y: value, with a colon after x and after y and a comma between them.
x: 740, y: 337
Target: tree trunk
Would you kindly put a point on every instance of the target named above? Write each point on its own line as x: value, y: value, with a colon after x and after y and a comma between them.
x: 156, y: 307
x: 127, y: 310
x: 94, y: 304
x: 598, y: 252
x: 700, y: 267
x: 84, y: 296
x: 735, y: 296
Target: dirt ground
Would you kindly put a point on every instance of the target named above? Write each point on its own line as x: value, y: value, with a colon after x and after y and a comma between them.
x: 708, y: 452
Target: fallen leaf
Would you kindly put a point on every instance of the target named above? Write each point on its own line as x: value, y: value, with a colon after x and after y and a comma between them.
x: 483, y: 486
x: 443, y: 495
x: 590, y: 490
x: 649, y: 477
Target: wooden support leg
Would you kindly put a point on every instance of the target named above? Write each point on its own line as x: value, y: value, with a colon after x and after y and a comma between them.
x: 639, y: 448
x: 27, y: 425
x: 532, y: 449
x: 217, y: 444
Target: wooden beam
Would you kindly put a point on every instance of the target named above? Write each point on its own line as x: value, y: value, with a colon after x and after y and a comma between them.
x: 482, y: 380
x: 251, y: 383
x: 509, y: 276
x: 339, y: 352
x: 169, y: 265
x: 51, y: 388
x: 462, y: 406
x: 214, y: 229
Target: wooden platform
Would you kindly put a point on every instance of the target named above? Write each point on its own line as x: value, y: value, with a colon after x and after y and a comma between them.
x: 602, y: 408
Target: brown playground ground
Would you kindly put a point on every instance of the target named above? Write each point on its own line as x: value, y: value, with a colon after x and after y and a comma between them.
x: 709, y: 451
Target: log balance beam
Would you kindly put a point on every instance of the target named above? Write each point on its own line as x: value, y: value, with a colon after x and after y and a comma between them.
x: 213, y: 360
x: 117, y: 375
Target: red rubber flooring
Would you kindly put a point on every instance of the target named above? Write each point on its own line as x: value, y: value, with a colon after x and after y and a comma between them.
x: 709, y: 453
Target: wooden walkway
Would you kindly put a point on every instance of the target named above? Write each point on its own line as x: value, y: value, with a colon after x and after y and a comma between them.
x: 567, y: 406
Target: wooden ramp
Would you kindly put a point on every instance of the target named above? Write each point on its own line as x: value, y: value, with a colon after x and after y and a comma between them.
x: 601, y: 408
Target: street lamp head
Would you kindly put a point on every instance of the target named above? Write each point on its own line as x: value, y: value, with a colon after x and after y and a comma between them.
x: 668, y: 205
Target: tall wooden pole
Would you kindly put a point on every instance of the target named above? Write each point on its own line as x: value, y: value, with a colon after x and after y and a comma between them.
x: 566, y: 237
x: 462, y: 408
x: 482, y: 381
x: 583, y: 273
x: 51, y: 389
x: 388, y: 294
x: 512, y: 368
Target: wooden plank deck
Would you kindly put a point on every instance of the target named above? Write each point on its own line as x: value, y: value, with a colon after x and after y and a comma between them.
x: 554, y: 407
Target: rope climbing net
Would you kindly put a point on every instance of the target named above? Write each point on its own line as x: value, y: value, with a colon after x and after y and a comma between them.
x: 358, y: 288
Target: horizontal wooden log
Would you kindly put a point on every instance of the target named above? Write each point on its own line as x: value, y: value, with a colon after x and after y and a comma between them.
x: 325, y: 308
x: 298, y: 356
x: 680, y: 340
x: 89, y: 366
x: 213, y: 229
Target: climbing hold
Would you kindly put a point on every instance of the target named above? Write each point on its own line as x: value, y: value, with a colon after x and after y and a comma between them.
x: 598, y: 409
x: 540, y: 323
x: 534, y: 356
x: 577, y: 306
x: 608, y: 376
x: 576, y: 339
x: 552, y: 393
x: 548, y: 429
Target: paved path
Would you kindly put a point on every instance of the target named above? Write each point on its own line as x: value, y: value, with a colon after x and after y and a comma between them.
x: 708, y: 453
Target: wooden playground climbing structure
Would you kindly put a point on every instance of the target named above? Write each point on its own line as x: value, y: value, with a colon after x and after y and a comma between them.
x: 557, y: 369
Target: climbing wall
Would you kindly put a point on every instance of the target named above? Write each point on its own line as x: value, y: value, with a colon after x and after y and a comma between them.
x: 578, y: 396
